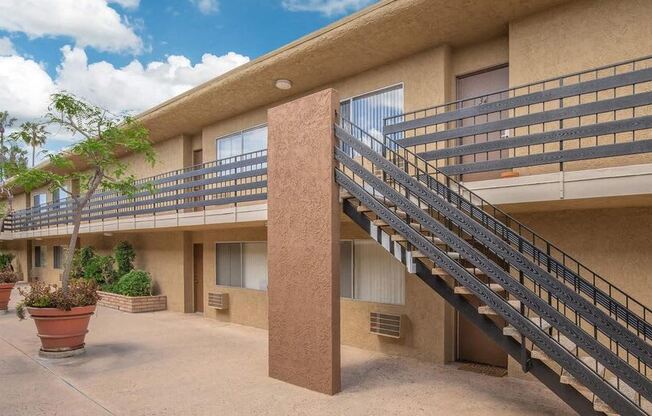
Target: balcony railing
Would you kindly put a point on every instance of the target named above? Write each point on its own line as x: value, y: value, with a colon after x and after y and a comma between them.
x: 221, y: 182
x: 600, y: 113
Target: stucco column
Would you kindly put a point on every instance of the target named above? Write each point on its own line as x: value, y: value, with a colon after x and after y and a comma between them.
x: 303, y: 237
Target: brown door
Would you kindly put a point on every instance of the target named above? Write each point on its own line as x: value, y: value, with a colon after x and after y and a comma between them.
x: 198, y: 276
x: 197, y: 159
x: 472, y: 344
x: 480, y: 85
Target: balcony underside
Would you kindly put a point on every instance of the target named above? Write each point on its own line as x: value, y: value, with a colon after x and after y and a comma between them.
x: 229, y: 215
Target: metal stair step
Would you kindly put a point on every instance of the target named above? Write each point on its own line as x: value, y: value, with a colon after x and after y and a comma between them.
x: 486, y: 310
x: 567, y: 378
x: 463, y: 290
x: 563, y: 340
x: 510, y: 331
x: 441, y: 272
x: 344, y: 194
x: 419, y: 255
x: 399, y: 238
x: 630, y: 393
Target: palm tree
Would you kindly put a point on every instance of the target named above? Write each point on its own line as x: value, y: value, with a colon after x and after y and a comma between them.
x: 16, y: 155
x: 34, y: 135
x: 5, y: 123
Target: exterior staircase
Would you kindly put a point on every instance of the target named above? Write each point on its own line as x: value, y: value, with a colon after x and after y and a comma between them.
x: 589, y: 347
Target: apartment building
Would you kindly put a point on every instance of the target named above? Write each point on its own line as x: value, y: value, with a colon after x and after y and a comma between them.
x: 539, y: 113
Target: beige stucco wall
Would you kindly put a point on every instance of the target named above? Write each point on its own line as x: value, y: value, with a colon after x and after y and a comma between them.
x: 424, y: 77
x: 48, y: 273
x: 615, y: 243
x: 171, y: 154
x: 578, y: 36
x: 428, y: 335
x: 246, y: 306
x: 159, y: 253
x: 575, y: 37
x: 478, y: 57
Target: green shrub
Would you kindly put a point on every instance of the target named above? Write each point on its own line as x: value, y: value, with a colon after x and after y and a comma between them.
x: 124, y: 257
x: 100, y: 269
x: 5, y: 261
x: 109, y: 287
x: 80, y: 261
x: 135, y: 283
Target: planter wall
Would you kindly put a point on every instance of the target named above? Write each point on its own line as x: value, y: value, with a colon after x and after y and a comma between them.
x: 133, y: 304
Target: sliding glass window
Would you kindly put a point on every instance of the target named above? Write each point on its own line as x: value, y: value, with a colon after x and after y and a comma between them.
x: 369, y: 273
x: 242, y: 265
x: 242, y: 142
x: 369, y: 111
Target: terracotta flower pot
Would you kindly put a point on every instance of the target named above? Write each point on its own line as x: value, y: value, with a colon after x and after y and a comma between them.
x: 5, y: 293
x: 61, y: 330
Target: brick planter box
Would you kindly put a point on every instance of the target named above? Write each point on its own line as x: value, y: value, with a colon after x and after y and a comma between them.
x: 133, y: 304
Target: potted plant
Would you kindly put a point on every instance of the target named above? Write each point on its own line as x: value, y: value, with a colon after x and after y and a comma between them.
x: 8, y: 279
x: 62, y: 313
x: 61, y: 316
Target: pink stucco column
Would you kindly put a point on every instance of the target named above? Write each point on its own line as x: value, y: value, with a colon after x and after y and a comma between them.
x: 303, y: 232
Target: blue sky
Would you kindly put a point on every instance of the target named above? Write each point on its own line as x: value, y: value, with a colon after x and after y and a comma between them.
x: 128, y: 55
x: 178, y: 27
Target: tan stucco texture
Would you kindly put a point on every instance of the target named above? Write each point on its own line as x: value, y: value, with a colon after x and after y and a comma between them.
x: 303, y: 237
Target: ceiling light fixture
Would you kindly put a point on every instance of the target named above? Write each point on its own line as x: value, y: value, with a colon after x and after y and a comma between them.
x: 283, y: 84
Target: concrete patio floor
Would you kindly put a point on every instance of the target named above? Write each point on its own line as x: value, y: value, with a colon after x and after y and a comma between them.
x: 167, y: 363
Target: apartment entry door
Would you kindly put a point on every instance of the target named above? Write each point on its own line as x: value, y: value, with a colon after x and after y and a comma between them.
x: 472, y: 344
x: 480, y: 84
x: 198, y: 276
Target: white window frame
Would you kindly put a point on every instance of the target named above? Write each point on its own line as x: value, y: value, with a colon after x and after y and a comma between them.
x: 376, y: 91
x: 241, y: 243
x: 43, y: 258
x: 45, y: 198
x: 354, y: 292
x: 237, y: 132
x: 54, y: 257
x: 62, y: 194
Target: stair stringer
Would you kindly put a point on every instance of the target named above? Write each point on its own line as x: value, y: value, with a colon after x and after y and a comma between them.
x: 537, y: 368
x: 535, y: 334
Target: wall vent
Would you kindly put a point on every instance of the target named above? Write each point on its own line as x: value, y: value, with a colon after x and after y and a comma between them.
x: 385, y: 325
x: 218, y: 300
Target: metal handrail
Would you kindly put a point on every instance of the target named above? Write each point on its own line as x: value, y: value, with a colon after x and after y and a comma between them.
x: 373, y: 192
x: 457, y: 104
x: 175, y: 186
x: 632, y: 319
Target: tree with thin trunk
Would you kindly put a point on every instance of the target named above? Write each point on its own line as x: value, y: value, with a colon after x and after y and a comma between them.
x: 13, y: 159
x: 97, y: 166
x: 34, y: 135
x: 5, y: 122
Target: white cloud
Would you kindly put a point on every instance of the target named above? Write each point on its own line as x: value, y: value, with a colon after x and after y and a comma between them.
x: 207, y: 6
x: 136, y: 87
x: 127, y: 4
x: 25, y: 86
x: 6, y: 47
x: 325, y: 7
x: 89, y: 22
